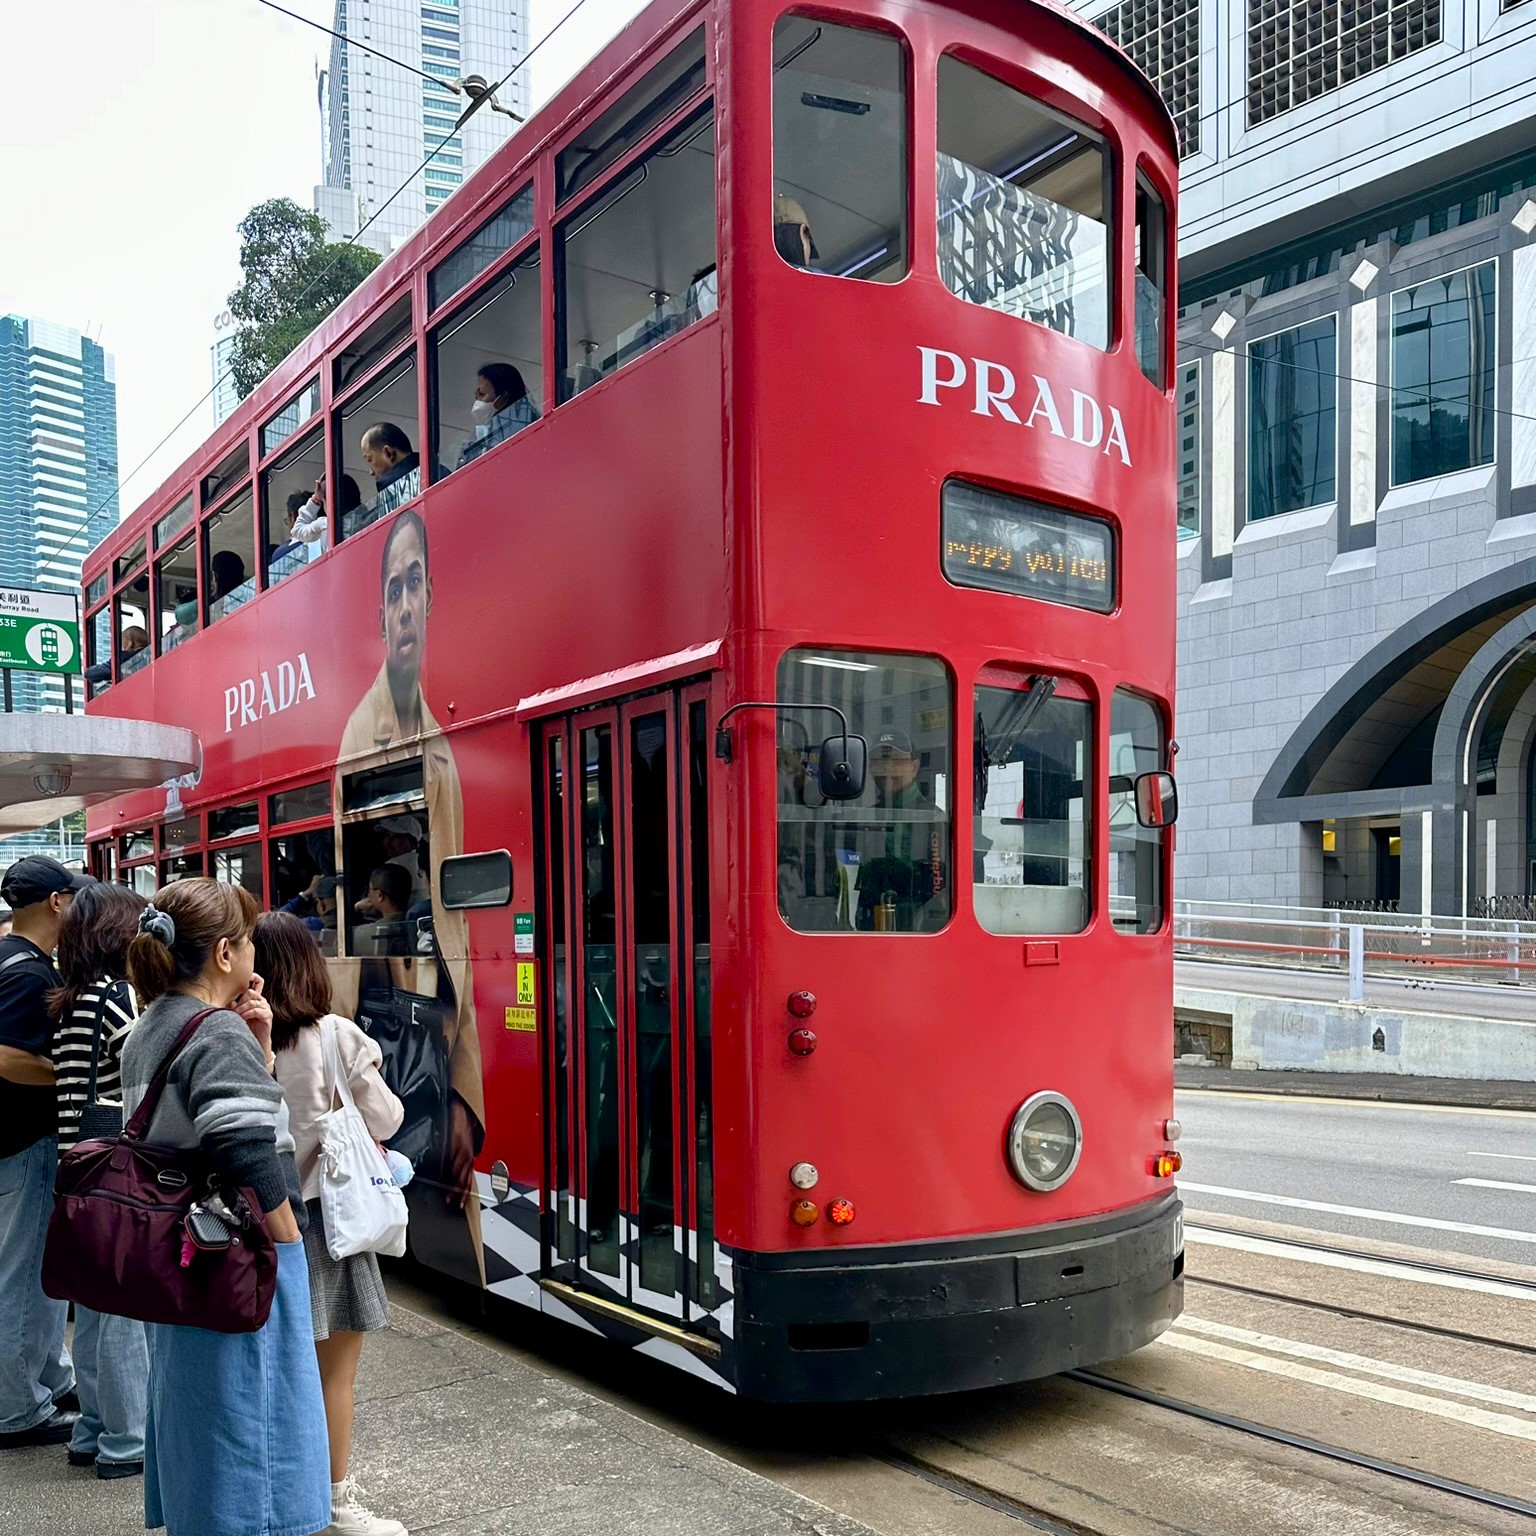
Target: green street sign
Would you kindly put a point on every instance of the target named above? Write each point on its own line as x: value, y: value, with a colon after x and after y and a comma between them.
x: 39, y: 631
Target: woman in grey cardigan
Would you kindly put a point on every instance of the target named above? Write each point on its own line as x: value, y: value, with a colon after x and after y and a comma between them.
x: 235, y: 1443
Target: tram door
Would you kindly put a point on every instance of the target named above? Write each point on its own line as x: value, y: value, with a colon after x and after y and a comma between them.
x: 625, y: 952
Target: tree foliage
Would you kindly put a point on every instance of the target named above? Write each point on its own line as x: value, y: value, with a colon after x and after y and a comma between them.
x: 293, y: 278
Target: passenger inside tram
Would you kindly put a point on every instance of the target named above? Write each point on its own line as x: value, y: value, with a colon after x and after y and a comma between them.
x: 394, y: 465
x: 792, y: 236
x: 501, y: 408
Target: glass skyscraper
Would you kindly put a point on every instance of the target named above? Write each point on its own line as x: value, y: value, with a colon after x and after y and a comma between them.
x: 58, y: 465
x: 378, y: 121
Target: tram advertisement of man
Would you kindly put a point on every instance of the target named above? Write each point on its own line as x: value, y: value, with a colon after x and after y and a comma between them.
x: 407, y: 980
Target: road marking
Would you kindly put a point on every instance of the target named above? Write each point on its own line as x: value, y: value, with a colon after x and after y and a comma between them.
x: 1277, y: 1248
x: 1351, y: 1105
x: 1398, y: 1397
x: 1510, y: 1157
x: 1478, y: 1391
x: 1524, y: 1189
x: 1394, y: 1217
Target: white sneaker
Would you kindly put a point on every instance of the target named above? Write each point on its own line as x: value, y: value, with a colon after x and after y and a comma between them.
x: 349, y: 1516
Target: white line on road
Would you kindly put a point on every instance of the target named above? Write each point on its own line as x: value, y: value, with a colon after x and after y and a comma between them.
x: 1523, y: 1189
x: 1385, y: 1370
x: 1508, y: 1157
x: 1439, y: 1407
x: 1395, y: 1217
x: 1349, y: 1106
x: 1276, y: 1248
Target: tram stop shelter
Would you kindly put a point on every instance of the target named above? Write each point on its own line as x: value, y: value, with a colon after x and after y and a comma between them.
x: 52, y: 765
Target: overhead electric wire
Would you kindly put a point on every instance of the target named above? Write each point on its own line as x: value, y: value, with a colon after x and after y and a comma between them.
x: 388, y: 58
x: 85, y: 521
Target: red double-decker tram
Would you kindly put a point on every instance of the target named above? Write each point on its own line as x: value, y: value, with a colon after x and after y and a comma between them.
x: 719, y: 725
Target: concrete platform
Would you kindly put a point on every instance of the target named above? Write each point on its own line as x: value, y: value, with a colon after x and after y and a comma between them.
x: 1462, y: 1092
x: 453, y: 1436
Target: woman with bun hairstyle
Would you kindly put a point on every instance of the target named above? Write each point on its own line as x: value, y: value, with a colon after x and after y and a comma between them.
x: 235, y: 1440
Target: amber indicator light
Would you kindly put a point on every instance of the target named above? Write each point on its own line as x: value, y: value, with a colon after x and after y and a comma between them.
x: 1166, y: 1164
x: 840, y: 1212
x: 803, y: 1213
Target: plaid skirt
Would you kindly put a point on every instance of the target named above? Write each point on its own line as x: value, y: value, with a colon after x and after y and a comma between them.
x: 345, y: 1295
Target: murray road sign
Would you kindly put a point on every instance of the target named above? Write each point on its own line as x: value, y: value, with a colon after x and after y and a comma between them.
x: 39, y: 631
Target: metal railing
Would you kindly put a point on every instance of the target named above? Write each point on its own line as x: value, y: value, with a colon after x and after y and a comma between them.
x: 1356, y: 945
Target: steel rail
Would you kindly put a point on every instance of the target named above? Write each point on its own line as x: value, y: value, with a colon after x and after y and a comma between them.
x: 1338, y: 1453
x: 977, y: 1493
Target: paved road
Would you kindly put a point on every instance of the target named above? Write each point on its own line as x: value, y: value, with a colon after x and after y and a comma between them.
x: 1380, y: 1161
x: 1440, y: 996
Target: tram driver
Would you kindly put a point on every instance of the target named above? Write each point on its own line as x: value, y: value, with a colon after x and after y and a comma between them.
x: 901, y: 853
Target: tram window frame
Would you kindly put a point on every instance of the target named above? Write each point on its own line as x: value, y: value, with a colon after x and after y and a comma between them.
x: 1147, y: 846
x: 470, y: 880
x: 220, y: 483
x: 821, y: 208
x: 811, y: 869
x: 361, y: 857
x: 220, y: 859
x: 1086, y: 136
x: 171, y: 525
x: 236, y: 513
x: 300, y: 858
x: 675, y: 310
x: 376, y: 344
x: 180, y: 843
x: 126, y: 599
x: 521, y: 413
x: 96, y: 590
x: 308, y: 450
x: 350, y: 418
x: 125, y: 566
x: 1071, y: 714
x: 488, y: 246
x: 303, y: 406
x: 319, y: 789
x: 187, y: 546
x: 1152, y: 264
x: 662, y: 92
x: 98, y: 647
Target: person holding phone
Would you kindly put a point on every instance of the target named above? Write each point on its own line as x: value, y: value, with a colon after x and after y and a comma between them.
x: 234, y: 1442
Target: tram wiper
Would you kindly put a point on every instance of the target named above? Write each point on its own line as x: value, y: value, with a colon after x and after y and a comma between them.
x: 1042, y: 687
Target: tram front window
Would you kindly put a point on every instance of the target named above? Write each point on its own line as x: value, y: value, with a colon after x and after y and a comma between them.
x: 878, y: 864
x: 1032, y: 848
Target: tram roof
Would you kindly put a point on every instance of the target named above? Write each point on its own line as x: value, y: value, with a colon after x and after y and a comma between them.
x: 485, y: 189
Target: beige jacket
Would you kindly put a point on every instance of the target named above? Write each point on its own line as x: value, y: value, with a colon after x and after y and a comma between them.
x: 300, y: 1073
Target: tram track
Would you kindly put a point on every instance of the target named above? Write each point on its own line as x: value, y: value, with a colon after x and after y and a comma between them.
x: 1410, y: 1269
x: 1249, y: 1427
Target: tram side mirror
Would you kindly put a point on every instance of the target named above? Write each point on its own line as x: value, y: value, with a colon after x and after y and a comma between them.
x: 1157, y: 799
x: 843, y: 767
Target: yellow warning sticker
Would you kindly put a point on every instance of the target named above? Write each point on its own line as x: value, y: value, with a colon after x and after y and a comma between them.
x: 523, y: 1019
x: 525, y: 982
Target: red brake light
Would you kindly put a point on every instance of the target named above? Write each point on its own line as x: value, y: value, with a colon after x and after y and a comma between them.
x: 802, y: 1004
x: 802, y: 1042
x: 840, y: 1212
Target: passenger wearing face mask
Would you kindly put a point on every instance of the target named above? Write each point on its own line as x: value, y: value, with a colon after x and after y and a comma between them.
x: 792, y: 232
x: 501, y: 408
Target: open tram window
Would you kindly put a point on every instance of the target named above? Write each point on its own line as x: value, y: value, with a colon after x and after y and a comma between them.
x: 176, y: 595
x: 1032, y: 849
x: 637, y: 264
x: 130, y: 610
x: 294, y: 530
x: 840, y: 149
x: 238, y: 865
x: 303, y: 878
x: 229, y: 544
x: 1024, y: 195
x: 1136, y: 853
x: 388, y: 885
x: 181, y: 855
x: 379, y: 478
x: 1151, y: 279
x: 488, y: 379
x: 98, y: 651
x: 881, y: 863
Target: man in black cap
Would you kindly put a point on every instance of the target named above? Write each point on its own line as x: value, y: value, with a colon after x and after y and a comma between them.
x: 902, y: 860
x: 35, y: 1369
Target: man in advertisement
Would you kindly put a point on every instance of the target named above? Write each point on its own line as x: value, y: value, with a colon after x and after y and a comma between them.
x: 416, y: 997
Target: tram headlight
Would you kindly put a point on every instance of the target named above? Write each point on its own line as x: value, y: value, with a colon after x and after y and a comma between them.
x: 1045, y: 1141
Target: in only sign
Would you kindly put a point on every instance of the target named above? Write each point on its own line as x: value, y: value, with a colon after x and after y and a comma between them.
x: 39, y: 631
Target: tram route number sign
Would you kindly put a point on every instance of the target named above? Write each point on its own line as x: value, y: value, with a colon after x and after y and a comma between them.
x: 39, y: 631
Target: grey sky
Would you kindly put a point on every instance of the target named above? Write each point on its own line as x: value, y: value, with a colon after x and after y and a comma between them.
x: 137, y: 137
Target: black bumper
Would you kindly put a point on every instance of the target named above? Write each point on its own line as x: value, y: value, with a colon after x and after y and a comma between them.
x: 860, y: 1323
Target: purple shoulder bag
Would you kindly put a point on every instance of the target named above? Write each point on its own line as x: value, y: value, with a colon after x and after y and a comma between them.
x: 119, y: 1240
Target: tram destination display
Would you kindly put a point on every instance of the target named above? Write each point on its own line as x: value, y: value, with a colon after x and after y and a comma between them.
x: 1009, y: 544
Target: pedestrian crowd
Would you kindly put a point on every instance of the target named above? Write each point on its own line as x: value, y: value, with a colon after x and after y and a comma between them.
x: 216, y: 1022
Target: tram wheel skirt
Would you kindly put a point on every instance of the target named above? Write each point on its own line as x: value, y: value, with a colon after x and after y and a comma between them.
x: 878, y: 1325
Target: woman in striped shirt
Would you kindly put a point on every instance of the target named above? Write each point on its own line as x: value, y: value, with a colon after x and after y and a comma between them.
x: 96, y: 1004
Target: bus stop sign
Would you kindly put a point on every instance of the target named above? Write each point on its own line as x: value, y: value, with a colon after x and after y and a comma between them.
x: 39, y: 631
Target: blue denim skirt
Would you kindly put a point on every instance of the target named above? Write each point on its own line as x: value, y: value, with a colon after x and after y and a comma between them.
x: 235, y: 1441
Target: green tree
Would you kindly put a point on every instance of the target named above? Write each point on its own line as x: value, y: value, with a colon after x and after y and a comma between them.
x: 293, y: 278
